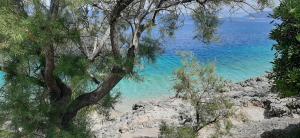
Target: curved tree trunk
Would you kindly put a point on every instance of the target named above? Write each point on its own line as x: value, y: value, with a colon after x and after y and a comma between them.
x: 117, y: 74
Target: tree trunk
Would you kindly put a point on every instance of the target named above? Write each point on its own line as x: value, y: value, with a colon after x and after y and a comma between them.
x: 87, y: 99
x: 59, y: 105
x: 63, y: 111
x: 197, y: 113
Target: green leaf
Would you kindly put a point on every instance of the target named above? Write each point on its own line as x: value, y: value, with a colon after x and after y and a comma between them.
x: 298, y: 37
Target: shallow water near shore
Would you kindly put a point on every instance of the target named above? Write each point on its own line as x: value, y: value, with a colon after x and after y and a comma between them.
x: 243, y: 51
x: 1, y: 78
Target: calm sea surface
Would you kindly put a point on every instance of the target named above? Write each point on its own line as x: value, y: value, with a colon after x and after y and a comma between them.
x: 244, y: 51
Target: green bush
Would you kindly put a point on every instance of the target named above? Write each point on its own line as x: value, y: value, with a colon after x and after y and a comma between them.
x: 199, y: 85
x: 5, y: 134
x: 287, y: 58
x: 167, y: 131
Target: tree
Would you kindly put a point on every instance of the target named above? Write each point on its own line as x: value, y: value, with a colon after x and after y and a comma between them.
x: 200, y: 86
x: 287, y: 35
x: 62, y: 56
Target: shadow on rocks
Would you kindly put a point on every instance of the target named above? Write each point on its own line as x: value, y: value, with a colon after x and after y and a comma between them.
x: 292, y: 131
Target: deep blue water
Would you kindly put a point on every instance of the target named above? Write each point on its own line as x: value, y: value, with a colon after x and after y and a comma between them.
x: 244, y: 51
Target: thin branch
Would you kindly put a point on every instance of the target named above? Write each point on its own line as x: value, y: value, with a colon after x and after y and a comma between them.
x: 99, y: 44
x: 208, y: 123
x: 115, y: 14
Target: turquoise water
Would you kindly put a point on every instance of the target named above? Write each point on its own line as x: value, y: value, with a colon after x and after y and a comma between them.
x: 1, y: 80
x: 243, y: 51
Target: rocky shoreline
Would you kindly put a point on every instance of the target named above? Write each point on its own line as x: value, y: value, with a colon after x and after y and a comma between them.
x: 257, y: 113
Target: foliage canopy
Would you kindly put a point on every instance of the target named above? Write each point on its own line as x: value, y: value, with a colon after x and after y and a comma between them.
x: 287, y: 35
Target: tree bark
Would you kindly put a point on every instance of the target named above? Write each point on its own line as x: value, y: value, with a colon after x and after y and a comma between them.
x: 60, y: 93
x: 49, y: 78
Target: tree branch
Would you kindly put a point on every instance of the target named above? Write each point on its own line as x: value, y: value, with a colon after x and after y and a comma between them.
x: 115, y: 14
x: 208, y: 123
x: 98, y: 45
x: 108, y: 84
x: 49, y: 77
x: 48, y: 73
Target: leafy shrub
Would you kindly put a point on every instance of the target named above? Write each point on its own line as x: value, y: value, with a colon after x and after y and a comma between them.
x: 167, y: 131
x: 287, y: 35
x: 200, y: 86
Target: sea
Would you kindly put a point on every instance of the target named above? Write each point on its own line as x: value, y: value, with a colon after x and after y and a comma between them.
x: 243, y: 51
